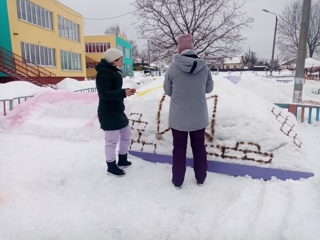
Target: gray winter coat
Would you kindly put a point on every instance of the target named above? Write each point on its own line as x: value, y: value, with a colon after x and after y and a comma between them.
x: 187, y: 81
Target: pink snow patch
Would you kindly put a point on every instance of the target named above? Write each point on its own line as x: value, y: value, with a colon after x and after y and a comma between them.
x: 19, y: 115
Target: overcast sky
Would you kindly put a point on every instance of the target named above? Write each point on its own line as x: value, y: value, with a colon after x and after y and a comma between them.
x: 259, y: 37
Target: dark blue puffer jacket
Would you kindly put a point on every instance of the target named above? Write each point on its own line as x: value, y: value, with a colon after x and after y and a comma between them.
x: 111, y: 96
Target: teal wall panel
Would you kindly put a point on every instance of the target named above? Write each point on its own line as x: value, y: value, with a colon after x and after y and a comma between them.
x: 5, y: 37
x: 127, y: 60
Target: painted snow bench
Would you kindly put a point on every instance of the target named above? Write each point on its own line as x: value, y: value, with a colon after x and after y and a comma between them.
x: 231, y: 168
x: 307, y: 104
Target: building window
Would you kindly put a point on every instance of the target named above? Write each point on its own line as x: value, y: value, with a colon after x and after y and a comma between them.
x: 70, y: 61
x: 96, y: 47
x: 91, y: 64
x: 127, y: 53
x: 34, y: 14
x: 39, y: 55
x: 121, y: 49
x: 128, y: 69
x: 68, y: 29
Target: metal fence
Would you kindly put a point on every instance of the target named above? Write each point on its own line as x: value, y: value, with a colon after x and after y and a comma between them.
x: 87, y: 90
x: 8, y: 104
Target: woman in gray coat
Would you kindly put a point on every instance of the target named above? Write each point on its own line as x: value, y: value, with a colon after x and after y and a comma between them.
x: 187, y: 81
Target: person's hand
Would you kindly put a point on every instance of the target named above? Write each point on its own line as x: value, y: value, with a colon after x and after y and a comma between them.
x: 130, y: 91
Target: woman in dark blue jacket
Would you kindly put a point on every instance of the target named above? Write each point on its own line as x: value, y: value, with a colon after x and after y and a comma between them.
x: 111, y: 108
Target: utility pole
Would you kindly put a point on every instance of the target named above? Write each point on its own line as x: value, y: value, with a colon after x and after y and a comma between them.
x: 302, y: 50
x: 250, y: 59
x: 273, y: 46
x: 274, y: 41
x: 149, y: 57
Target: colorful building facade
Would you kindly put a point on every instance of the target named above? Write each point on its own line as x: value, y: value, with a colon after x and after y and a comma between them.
x: 96, y: 45
x: 47, y: 34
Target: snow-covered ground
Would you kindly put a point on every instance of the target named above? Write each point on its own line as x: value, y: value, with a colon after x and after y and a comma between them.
x: 53, y: 181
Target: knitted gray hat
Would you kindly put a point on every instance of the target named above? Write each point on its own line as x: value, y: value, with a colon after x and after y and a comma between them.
x: 112, y: 54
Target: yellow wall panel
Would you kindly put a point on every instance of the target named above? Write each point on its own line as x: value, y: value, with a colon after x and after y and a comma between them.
x: 99, y: 39
x: 22, y: 31
x: 91, y: 73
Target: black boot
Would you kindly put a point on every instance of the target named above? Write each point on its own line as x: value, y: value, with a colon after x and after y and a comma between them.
x: 177, y: 186
x: 113, y: 169
x: 123, y: 162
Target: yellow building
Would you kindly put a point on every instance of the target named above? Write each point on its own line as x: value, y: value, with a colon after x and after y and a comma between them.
x: 42, y: 34
x: 96, y: 45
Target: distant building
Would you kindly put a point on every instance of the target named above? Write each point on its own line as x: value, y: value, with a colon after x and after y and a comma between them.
x: 41, y: 41
x: 309, y: 63
x: 96, y: 45
x: 233, y: 63
x: 289, y: 64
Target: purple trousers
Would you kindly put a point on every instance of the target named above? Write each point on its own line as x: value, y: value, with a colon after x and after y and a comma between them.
x: 200, y: 165
x: 112, y: 139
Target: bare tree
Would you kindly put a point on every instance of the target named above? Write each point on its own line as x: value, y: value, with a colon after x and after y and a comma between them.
x: 135, y: 51
x: 250, y: 58
x: 261, y: 62
x: 114, y: 30
x: 289, y: 29
x: 143, y: 56
x: 214, y: 24
x: 314, y: 29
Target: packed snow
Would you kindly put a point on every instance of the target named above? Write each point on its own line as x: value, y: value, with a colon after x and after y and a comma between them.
x: 54, y: 184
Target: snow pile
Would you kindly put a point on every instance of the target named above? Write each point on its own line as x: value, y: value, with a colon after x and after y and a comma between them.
x: 60, y: 114
x: 73, y: 85
x: 53, y: 182
x: 21, y: 89
x: 244, y: 128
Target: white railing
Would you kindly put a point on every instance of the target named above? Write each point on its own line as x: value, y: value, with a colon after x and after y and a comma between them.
x: 87, y: 90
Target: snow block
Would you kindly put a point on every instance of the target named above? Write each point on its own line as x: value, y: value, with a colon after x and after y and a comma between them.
x: 234, y: 79
x: 231, y: 168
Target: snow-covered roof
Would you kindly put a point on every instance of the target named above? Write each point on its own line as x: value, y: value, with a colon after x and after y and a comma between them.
x: 309, y: 62
x: 233, y: 60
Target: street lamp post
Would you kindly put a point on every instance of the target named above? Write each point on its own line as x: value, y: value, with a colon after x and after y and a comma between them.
x: 149, y: 57
x: 274, y: 40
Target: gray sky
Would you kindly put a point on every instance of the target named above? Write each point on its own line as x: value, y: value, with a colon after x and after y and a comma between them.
x: 259, y: 37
